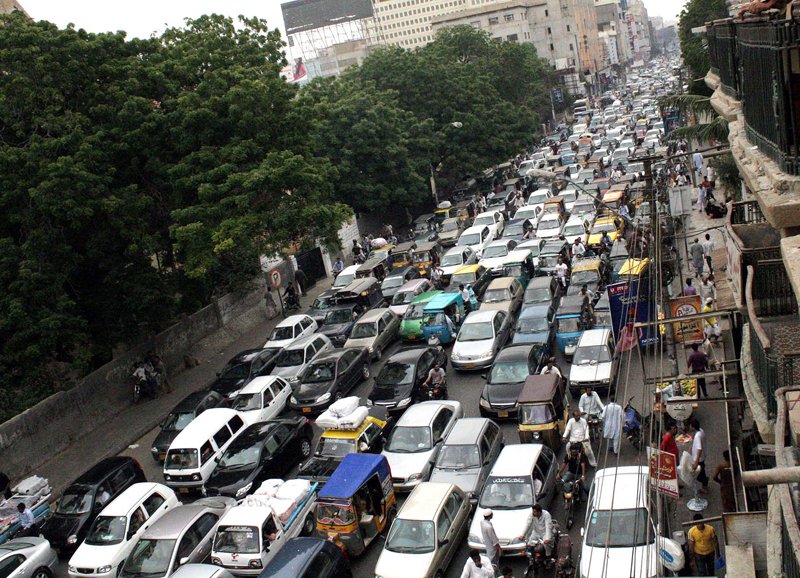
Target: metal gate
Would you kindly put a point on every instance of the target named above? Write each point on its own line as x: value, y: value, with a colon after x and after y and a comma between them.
x: 311, y: 264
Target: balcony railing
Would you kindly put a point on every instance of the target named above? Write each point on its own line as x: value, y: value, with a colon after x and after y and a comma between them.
x: 758, y: 62
x: 747, y: 213
x: 791, y: 565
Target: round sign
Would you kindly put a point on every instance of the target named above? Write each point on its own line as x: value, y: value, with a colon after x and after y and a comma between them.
x: 275, y: 278
x: 679, y: 411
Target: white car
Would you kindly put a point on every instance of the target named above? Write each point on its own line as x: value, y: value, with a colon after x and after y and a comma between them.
x: 27, y: 558
x: 414, y: 444
x: 262, y: 399
x: 456, y: 258
x: 492, y: 219
x: 495, y: 252
x: 480, y: 337
x: 622, y: 532
x: 534, y: 246
x: 290, y: 329
x: 347, y: 276
x: 577, y: 227
x: 118, y: 527
x: 550, y: 226
x: 538, y: 197
x: 594, y: 363
x: 531, y: 214
x: 476, y: 237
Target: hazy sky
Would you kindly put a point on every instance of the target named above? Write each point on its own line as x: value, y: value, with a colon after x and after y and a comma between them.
x: 143, y: 17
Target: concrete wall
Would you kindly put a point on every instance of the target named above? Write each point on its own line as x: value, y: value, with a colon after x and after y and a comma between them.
x: 29, y: 439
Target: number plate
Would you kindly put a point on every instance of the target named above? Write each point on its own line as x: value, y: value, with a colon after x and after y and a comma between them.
x: 502, y: 414
x: 412, y: 337
x: 162, y: 457
x: 306, y: 410
x: 183, y: 490
x: 469, y: 365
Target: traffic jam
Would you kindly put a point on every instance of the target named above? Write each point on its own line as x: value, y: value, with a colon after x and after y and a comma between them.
x: 456, y: 402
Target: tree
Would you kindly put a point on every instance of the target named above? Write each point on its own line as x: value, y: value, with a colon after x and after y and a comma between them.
x: 709, y: 126
x: 693, y: 46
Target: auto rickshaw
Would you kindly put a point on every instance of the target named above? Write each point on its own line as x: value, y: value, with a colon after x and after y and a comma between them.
x: 633, y: 269
x: 442, y: 317
x: 555, y: 205
x: 425, y: 255
x: 401, y: 254
x: 543, y: 410
x: 519, y: 264
x: 463, y: 212
x: 376, y: 266
x: 572, y: 319
x: 411, y: 324
x: 612, y: 200
x: 423, y: 228
x: 443, y: 211
x: 357, y: 503
x: 589, y: 271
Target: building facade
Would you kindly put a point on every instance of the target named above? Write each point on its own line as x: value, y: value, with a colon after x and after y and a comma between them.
x: 407, y: 23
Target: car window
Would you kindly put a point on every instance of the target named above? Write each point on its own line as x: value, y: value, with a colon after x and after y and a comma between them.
x: 485, y: 449
x: 491, y: 433
x: 153, y: 503
x: 189, y: 542
x: 8, y: 565
x: 440, y: 423
x: 222, y: 436
x: 348, y: 358
x: 320, y: 566
x: 235, y: 423
x: 453, y: 505
x: 497, y: 323
x: 137, y: 520
x: 306, y: 322
x: 206, y: 451
x: 319, y: 344
x: 442, y: 525
x: 281, y: 433
x: 372, y: 432
x: 271, y: 445
x: 381, y: 325
x: 298, y: 329
x: 117, y: 480
x: 205, y: 523
x: 310, y: 351
x: 269, y: 395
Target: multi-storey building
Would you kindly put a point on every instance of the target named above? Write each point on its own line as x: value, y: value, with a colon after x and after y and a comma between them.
x: 611, y: 20
x: 638, y: 30
x: 407, y: 23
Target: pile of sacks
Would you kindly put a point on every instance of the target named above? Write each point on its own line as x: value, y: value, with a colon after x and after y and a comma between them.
x: 343, y: 414
x: 284, y: 497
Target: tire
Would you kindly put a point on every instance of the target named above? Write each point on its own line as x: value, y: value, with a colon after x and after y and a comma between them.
x: 378, y: 354
x: 308, y: 525
x: 305, y: 448
x: 365, y: 372
x: 43, y: 572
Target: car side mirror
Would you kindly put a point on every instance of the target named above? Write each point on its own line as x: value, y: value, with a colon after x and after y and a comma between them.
x: 581, y: 532
x: 443, y: 542
x: 185, y: 559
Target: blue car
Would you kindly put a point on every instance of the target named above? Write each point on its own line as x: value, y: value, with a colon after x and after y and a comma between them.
x: 571, y: 321
x: 535, y: 325
x: 308, y: 558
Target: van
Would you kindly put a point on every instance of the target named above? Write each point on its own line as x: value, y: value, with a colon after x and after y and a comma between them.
x: 523, y: 475
x: 594, y: 364
x: 193, y: 455
x: 366, y: 292
x: 347, y: 276
x: 477, y: 237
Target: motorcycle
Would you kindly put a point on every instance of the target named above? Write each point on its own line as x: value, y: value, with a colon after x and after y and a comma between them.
x: 560, y: 558
x: 571, y: 492
x: 292, y: 303
x: 595, y: 423
x: 632, y: 425
x: 436, y: 392
x: 145, y: 383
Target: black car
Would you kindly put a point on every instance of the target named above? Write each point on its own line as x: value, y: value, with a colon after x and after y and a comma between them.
x: 505, y: 379
x: 319, y: 308
x: 339, y: 321
x: 86, y: 497
x: 308, y: 558
x: 548, y: 256
x: 181, y: 415
x: 264, y: 450
x: 329, y: 378
x: 398, y: 382
x: 396, y: 279
x: 243, y: 368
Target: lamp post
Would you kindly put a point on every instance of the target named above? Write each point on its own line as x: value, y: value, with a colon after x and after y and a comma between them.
x: 435, y: 169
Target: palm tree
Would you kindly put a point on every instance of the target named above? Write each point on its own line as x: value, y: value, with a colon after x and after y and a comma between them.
x: 715, y: 127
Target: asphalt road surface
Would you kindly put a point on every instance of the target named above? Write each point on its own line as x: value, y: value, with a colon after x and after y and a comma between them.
x: 465, y: 388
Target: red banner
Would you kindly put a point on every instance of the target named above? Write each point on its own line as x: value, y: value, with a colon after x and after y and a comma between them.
x: 663, y: 472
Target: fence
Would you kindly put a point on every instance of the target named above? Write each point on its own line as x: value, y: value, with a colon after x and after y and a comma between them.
x: 747, y: 213
x: 723, y: 52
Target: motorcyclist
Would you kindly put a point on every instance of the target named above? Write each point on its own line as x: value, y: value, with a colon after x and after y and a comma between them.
x: 290, y: 295
x: 574, y: 467
x: 590, y: 404
x: 435, y: 384
x: 542, y: 529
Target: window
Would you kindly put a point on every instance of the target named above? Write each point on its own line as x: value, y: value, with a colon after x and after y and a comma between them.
x: 153, y: 503
x: 8, y: 565
x: 137, y: 520
x: 570, y: 47
x: 440, y: 423
x: 509, y: 17
x: 512, y: 37
x: 568, y: 28
x: 306, y: 322
x: 204, y: 525
x: 485, y: 449
x: 119, y: 480
x: 552, y: 47
x: 190, y: 541
x: 476, y: 24
x: 319, y: 344
x: 269, y: 395
x: 321, y: 565
x: 443, y: 523
x: 222, y: 436
x: 453, y: 505
x: 549, y: 31
x: 236, y: 423
x: 206, y: 451
x: 497, y: 322
x: 491, y: 433
x: 494, y: 20
x: 546, y: 13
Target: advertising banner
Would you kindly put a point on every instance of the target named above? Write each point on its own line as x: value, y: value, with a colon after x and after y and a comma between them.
x: 630, y: 302
x: 686, y: 331
x: 663, y: 472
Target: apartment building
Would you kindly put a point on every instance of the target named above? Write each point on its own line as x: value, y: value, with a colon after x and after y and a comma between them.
x: 407, y: 23
x: 612, y: 25
x: 637, y: 22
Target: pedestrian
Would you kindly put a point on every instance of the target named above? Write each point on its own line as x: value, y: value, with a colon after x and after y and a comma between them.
x: 269, y: 303
x: 577, y: 431
x: 27, y: 522
x: 701, y: 198
x: 300, y: 280
x: 507, y: 572
x: 489, y: 538
x: 436, y: 276
x: 708, y: 248
x: 612, y: 424
x: 5, y: 486
x: 698, y: 453
x: 703, y: 547
x: 689, y: 289
x: 698, y: 257
x: 723, y: 475
x: 477, y: 566
x: 697, y: 362
x: 668, y: 443
x: 562, y: 272
x: 465, y: 297
x: 710, y: 324
x: 707, y: 347
x: 708, y: 289
x: 698, y: 163
x: 711, y: 175
x: 338, y: 267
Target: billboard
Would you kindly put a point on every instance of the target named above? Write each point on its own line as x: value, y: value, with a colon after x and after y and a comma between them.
x: 629, y: 304
x: 304, y: 15
x: 687, y: 331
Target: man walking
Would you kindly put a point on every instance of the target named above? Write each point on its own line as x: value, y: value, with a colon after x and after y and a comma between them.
x: 708, y: 290
x: 697, y: 255
x: 612, y: 424
x: 668, y: 443
x: 489, y: 538
x: 698, y: 453
x: 477, y: 566
x: 689, y: 289
x: 703, y: 547
x: 697, y: 362
x: 577, y: 431
x: 708, y: 247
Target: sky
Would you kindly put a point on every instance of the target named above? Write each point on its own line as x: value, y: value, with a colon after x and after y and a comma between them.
x: 140, y: 18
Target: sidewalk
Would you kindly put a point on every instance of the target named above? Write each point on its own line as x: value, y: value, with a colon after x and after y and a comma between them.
x: 115, y: 435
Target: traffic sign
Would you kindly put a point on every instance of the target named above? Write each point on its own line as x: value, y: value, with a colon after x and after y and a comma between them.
x: 275, y: 278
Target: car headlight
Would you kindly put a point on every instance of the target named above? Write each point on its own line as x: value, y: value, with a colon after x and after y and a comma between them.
x: 573, y: 383
x: 196, y: 477
x: 473, y: 538
x: 104, y: 569
x: 325, y: 397
x: 488, y: 353
x: 241, y: 492
x: 455, y: 356
x: 167, y: 477
x: 72, y: 539
x: 232, y: 394
x: 293, y: 400
x: 413, y: 477
x: 485, y: 403
x: 605, y: 380
x: 216, y: 561
x: 154, y: 449
x: 404, y: 402
x: 72, y: 569
x: 369, y: 403
x: 536, y: 435
x: 255, y: 563
x: 294, y: 379
x: 371, y: 350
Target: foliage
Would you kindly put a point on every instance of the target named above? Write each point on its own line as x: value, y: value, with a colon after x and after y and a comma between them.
x: 713, y: 128
x: 728, y: 175
x: 693, y: 49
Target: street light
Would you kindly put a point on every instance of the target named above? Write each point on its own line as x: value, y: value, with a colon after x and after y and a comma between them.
x: 435, y: 169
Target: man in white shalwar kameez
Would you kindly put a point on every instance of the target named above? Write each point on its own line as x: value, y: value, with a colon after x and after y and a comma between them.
x: 612, y: 424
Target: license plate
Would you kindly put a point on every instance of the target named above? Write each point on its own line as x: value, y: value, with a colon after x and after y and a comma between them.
x: 162, y: 457
x: 502, y: 414
x: 469, y: 365
x: 412, y: 337
x: 306, y: 410
x: 183, y: 490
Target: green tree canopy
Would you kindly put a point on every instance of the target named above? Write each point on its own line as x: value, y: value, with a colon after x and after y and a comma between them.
x: 693, y: 48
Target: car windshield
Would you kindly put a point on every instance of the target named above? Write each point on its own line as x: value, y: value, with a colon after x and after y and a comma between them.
x: 512, y: 231
x: 403, y: 297
x: 235, y: 370
x: 569, y: 195
x: 321, y: 371
x: 476, y: 331
x: 568, y: 325
x: 247, y: 401
x: 421, y: 257
x: 484, y: 220
x: 107, y: 530
x: 392, y: 282
x: 414, y: 312
x: 573, y: 231
x: 582, y: 208
x: 548, y: 261
x: 587, y: 276
x: 282, y: 333
x: 549, y: 224
x: 335, y: 447
x: 362, y: 330
x: 525, y: 213
x: 240, y: 457
x: 180, y: 459
x: 536, y: 414
x: 291, y: 358
x: 496, y: 295
x: 599, y: 228
x: 338, y: 316
x: 449, y: 226
x: 411, y: 537
x: 452, y: 259
x: 538, y: 295
x: 76, y: 500
x: 343, y: 280
x: 176, y: 421
x: 396, y: 373
x: 462, y: 279
x: 619, y: 529
x: 534, y: 249
x: 495, y: 251
x: 458, y: 457
x: 509, y: 372
x: 240, y: 539
x: 532, y: 325
x: 335, y: 515
x: 321, y: 304
x: 591, y: 354
x: 507, y: 493
x: 150, y: 557
x: 409, y: 440
x: 535, y: 199
x: 471, y: 239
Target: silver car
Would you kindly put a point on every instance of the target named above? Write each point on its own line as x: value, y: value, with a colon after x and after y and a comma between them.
x: 375, y: 331
x: 27, y: 558
x: 468, y: 454
x: 291, y: 362
x: 201, y: 571
x: 179, y: 537
x: 480, y: 337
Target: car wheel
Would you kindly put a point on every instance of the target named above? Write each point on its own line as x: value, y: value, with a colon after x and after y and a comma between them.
x: 309, y: 525
x: 365, y: 372
x: 378, y: 354
x: 42, y: 572
x: 305, y: 448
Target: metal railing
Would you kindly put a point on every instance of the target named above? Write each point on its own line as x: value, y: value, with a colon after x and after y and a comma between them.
x: 791, y: 565
x: 747, y: 213
x: 723, y: 52
x: 772, y: 290
x: 772, y: 371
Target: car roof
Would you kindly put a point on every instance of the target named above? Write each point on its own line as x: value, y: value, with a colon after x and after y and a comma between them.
x: 352, y: 433
x: 302, y: 342
x: 456, y: 250
x: 100, y: 470
x: 501, y: 282
x: 474, y: 229
x: 541, y: 387
x: 408, y: 354
x: 622, y: 488
x: 333, y: 354
x: 373, y: 315
x: 246, y: 516
x: 593, y: 337
x: 258, y: 384
x: 131, y: 497
x: 203, y: 426
x: 350, y: 270
x: 540, y: 282
x: 466, y: 431
x: 293, y: 559
x: 412, y: 285
x: 422, y: 413
x: 468, y: 268
x: 481, y: 316
x: 516, y: 459
x: 425, y: 501
x: 586, y: 264
x: 400, y: 271
x: 173, y: 522
x: 499, y: 243
x: 191, y: 401
x: 514, y: 353
x: 291, y: 320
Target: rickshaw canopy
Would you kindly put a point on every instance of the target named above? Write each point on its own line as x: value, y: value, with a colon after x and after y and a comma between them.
x: 613, y: 196
x: 443, y: 300
x: 540, y: 388
x: 351, y: 474
x: 586, y: 264
x: 634, y: 267
x: 570, y: 305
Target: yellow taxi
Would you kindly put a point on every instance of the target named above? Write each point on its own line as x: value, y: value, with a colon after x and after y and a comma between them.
x: 611, y: 225
x: 633, y: 268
